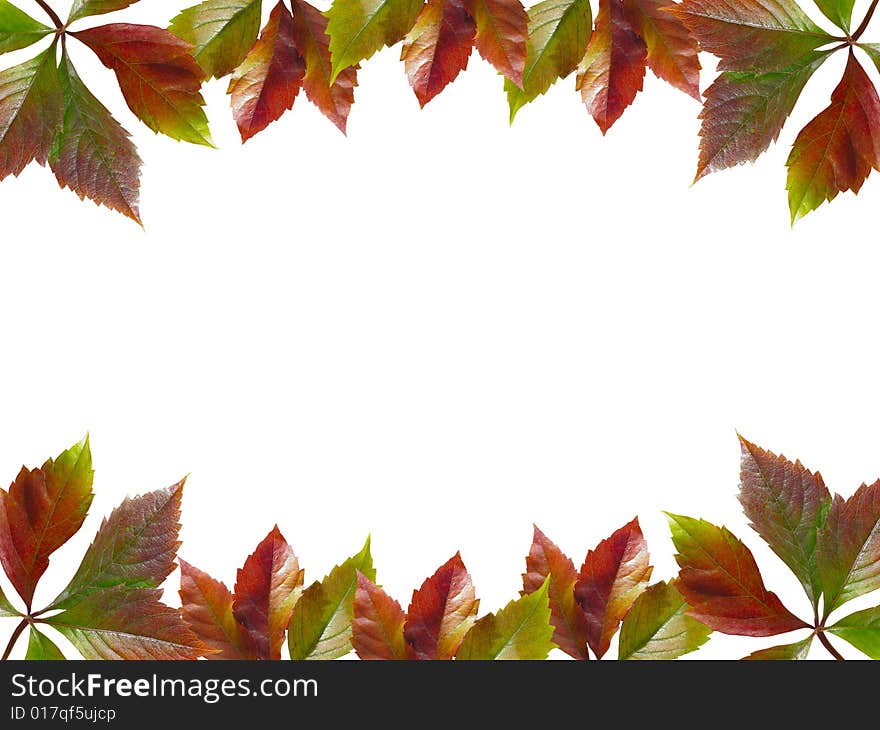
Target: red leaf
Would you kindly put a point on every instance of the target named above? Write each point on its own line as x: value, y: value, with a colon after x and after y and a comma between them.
x: 265, y: 85
x: 207, y: 608
x: 441, y: 612
x: 266, y: 590
x: 333, y: 99
x: 611, y: 578
x: 545, y: 560
x: 437, y: 48
x: 612, y: 71
x: 377, y: 626
x: 502, y: 35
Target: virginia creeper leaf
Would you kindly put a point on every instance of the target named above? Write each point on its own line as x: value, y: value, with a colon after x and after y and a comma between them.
x: 611, y: 578
x: 265, y: 85
x: 321, y: 624
x: 838, y: 12
x: 206, y: 605
x: 125, y: 623
x: 135, y: 547
x: 521, y: 630
x: 221, y: 32
x: 545, y: 560
x: 720, y: 580
x: 672, y: 50
x: 744, y: 112
x: 873, y: 51
x: 30, y: 112
x: 86, y: 8
x: 333, y: 96
x: 837, y: 150
x: 93, y: 155
x: 611, y: 73
x: 502, y: 35
x: 752, y: 35
x: 441, y: 612
x: 437, y: 47
x: 377, y: 626
x: 157, y: 75
x: 862, y: 630
x: 6, y: 608
x: 41, y: 647
x: 657, y: 627
x: 358, y: 29
x: 18, y: 29
x: 42, y: 510
x: 848, y: 549
x: 559, y: 31
x: 785, y: 652
x: 786, y: 504
x: 266, y: 590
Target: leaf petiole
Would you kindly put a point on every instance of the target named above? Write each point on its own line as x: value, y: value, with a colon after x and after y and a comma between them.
x: 59, y: 25
x: 12, y: 639
x: 828, y: 645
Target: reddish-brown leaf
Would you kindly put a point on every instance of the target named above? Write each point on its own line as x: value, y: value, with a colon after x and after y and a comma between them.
x: 502, y: 35
x: 613, y: 69
x: 546, y: 560
x: 377, y: 626
x: 266, y: 590
x: 611, y: 578
x: 441, y: 612
x: 437, y: 48
x: 333, y: 98
x: 207, y: 609
x: 265, y: 85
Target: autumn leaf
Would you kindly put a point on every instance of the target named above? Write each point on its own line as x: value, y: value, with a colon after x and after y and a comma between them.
x: 837, y: 150
x: 611, y: 73
x: 437, y: 48
x: 377, y: 623
x: 658, y: 627
x: 333, y: 96
x: 358, y: 29
x: 720, y: 580
x: 786, y: 504
x: 93, y: 155
x: 220, y: 31
x: 41, y: 648
x: 266, y: 84
x: 85, y: 8
x: 157, y: 75
x: 30, y: 112
x: 125, y: 623
x: 266, y: 590
x: 321, y: 624
x: 135, y: 547
x: 42, y: 510
x: 502, y: 32
x: 611, y: 578
x: 206, y: 605
x: 785, y: 652
x: 521, y: 630
x: 546, y: 561
x: 862, y: 630
x: 441, y: 612
x: 558, y: 35
x: 848, y: 548
x: 18, y: 29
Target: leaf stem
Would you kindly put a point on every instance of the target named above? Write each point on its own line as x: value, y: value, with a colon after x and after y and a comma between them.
x: 15, y: 634
x: 59, y: 25
x: 828, y: 645
x: 864, y: 25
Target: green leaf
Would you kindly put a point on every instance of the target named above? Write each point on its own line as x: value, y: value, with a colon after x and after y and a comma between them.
x: 657, y: 626
x: 87, y: 8
x: 520, y: 630
x: 559, y: 31
x: 838, y: 12
x: 41, y: 647
x: 785, y: 652
x: 18, y: 29
x: 6, y: 608
x: 862, y: 630
x: 321, y: 624
x: 873, y: 51
x: 221, y: 31
x: 358, y: 29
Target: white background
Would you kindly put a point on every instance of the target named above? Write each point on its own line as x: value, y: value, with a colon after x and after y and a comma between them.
x: 439, y: 330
